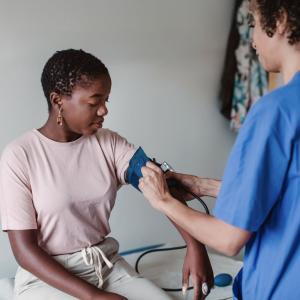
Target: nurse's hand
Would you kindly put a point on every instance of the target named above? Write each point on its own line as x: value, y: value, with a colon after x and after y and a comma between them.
x: 154, y: 186
x: 197, y: 267
x: 197, y: 185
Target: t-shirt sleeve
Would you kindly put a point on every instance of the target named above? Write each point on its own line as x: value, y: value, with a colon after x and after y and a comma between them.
x: 17, y: 210
x: 123, y: 152
x: 256, y: 168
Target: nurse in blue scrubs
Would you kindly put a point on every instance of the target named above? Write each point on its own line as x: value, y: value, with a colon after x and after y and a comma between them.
x: 258, y: 200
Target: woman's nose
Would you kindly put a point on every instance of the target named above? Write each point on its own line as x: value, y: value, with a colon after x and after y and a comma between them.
x: 102, y: 110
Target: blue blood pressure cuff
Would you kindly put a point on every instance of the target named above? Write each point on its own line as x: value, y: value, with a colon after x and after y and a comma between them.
x: 139, y: 160
x: 134, y: 173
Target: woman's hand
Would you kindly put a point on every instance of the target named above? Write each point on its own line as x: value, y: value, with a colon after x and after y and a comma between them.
x: 154, y: 186
x: 197, y: 266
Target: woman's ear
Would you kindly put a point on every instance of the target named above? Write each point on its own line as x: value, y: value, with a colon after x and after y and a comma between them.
x: 56, y: 100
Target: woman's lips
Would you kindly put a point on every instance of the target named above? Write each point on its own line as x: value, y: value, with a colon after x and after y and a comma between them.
x: 98, y: 124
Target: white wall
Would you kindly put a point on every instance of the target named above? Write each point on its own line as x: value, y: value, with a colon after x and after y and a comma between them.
x: 165, y: 58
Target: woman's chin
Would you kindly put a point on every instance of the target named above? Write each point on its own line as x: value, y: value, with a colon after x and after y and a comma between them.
x: 93, y: 129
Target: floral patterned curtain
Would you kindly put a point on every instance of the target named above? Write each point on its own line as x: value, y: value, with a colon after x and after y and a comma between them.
x: 244, y: 79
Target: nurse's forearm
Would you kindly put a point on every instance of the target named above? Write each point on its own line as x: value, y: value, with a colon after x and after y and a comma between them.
x: 189, y: 240
x: 209, y: 187
x: 206, y: 229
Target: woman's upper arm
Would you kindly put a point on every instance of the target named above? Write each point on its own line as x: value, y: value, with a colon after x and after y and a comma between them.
x: 22, y: 241
x: 16, y: 200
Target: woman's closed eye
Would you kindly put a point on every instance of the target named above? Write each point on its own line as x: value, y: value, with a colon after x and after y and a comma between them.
x: 94, y: 104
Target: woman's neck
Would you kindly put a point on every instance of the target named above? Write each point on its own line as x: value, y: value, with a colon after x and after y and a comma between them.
x: 56, y: 132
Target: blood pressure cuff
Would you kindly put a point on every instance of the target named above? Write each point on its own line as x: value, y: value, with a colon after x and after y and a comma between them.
x: 134, y: 173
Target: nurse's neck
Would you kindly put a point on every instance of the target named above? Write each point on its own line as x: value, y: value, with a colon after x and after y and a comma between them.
x: 291, y: 63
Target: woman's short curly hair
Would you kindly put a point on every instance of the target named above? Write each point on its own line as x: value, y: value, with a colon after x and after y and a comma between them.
x: 67, y: 68
x: 270, y: 11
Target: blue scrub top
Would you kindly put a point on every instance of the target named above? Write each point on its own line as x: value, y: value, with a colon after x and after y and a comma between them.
x: 261, y: 193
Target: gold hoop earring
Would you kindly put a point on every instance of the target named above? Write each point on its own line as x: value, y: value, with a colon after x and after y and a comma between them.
x: 59, y: 118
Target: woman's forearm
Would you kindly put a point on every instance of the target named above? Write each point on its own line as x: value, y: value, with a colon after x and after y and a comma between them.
x: 43, y: 266
x: 35, y: 260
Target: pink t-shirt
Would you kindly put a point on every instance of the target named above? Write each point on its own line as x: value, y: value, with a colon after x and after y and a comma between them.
x: 65, y: 190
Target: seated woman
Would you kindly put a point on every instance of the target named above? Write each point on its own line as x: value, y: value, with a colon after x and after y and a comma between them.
x: 58, y: 187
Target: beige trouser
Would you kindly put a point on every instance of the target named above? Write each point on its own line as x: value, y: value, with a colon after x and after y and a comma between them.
x: 93, y: 265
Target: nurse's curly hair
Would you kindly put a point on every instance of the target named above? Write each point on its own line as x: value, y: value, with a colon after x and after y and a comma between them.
x: 270, y: 11
x: 67, y: 68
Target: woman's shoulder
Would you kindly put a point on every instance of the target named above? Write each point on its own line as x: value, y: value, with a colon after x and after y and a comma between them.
x: 106, y: 135
x: 105, y: 132
x: 19, y: 146
x: 113, y: 141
